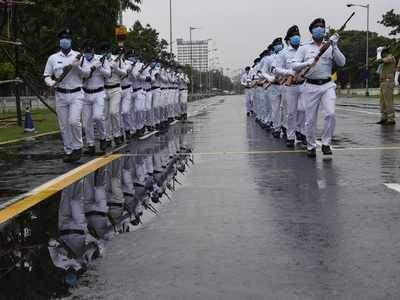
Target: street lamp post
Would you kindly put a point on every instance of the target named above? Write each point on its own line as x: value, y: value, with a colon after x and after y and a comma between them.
x: 367, y: 6
x: 191, y: 58
x: 170, y: 28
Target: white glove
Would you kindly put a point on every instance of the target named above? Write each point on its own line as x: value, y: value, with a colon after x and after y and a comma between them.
x: 396, y: 78
x: 50, y: 82
x: 379, y: 53
x: 334, y: 39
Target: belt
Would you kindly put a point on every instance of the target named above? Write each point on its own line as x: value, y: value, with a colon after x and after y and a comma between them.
x: 129, y: 195
x: 95, y: 213
x: 109, y: 87
x: 93, y: 91
x: 138, y: 89
x: 298, y: 82
x: 68, y: 91
x: 147, y: 90
x: 260, y: 85
x: 318, y: 81
x: 126, y: 87
x: 115, y: 204
x: 164, y: 88
x: 183, y: 89
x: 155, y: 87
x: 72, y: 231
x: 138, y: 185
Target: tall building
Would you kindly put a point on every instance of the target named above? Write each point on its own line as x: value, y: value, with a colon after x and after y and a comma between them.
x: 199, y: 54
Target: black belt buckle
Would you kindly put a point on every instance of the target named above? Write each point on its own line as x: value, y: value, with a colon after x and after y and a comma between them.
x: 135, y: 90
x: 318, y: 81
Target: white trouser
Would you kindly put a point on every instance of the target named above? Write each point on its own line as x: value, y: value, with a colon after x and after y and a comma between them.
x: 295, y: 111
x: 126, y: 107
x: 164, y: 96
x: 156, y: 96
x: 69, y: 109
x: 275, y: 98
x: 183, y: 101
x: 112, y: 114
x: 313, y: 95
x: 149, y: 109
x: 140, y: 108
x: 249, y: 100
x: 93, y: 112
x: 266, y: 107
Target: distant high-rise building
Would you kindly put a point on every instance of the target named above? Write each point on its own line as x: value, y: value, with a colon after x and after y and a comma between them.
x: 199, y: 54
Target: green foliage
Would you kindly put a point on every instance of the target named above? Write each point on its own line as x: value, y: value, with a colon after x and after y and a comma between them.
x: 147, y: 44
x: 7, y: 71
x: 391, y: 19
x: 352, y: 43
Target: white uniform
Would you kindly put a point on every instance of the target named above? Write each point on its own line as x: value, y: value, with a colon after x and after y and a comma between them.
x: 293, y: 113
x: 126, y: 97
x: 274, y: 92
x: 113, y: 98
x: 139, y: 96
x: 183, y: 81
x: 317, y: 92
x: 245, y: 81
x: 69, y: 96
x: 93, y: 103
x: 146, y: 79
x: 156, y: 95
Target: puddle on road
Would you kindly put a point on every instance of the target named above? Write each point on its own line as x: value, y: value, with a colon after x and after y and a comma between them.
x: 45, y: 250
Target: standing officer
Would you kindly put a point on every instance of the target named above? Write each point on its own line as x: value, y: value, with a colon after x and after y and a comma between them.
x: 386, y: 70
x: 319, y: 87
x: 93, y: 103
x: 126, y: 94
x: 64, y: 71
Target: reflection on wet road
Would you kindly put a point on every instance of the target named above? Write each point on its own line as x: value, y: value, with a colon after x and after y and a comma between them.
x: 252, y: 220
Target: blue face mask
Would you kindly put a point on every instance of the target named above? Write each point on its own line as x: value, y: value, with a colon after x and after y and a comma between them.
x: 295, y: 40
x: 318, y: 32
x: 158, y: 66
x: 65, y: 44
x: 278, y: 48
x: 89, y: 56
x: 132, y: 59
x: 108, y: 55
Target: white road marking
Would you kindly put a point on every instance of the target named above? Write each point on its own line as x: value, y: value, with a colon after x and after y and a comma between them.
x: 359, y: 111
x: 393, y: 186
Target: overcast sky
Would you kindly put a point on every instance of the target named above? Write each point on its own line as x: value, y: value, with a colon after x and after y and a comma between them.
x: 240, y: 29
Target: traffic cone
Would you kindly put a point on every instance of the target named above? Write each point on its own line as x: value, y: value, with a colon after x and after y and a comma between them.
x: 29, y: 127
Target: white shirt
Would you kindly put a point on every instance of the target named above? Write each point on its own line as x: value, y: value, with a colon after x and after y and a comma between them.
x: 126, y: 79
x: 97, y: 78
x: 266, y: 67
x: 155, y: 78
x: 323, y: 68
x: 55, y: 65
x: 135, y: 74
x: 283, y: 64
x: 146, y: 78
x: 117, y: 71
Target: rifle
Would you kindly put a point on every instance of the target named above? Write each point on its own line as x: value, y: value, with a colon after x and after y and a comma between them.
x: 68, y: 69
x: 102, y: 59
x: 323, y: 49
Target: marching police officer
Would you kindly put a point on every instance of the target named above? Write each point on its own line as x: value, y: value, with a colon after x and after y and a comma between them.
x: 64, y: 72
x: 319, y: 87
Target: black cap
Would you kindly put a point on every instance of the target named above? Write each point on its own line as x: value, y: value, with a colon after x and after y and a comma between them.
x: 247, y: 68
x: 277, y: 41
x: 257, y: 60
x: 88, y: 45
x: 294, y: 30
x: 105, y: 46
x: 264, y: 53
x: 270, y: 47
x: 65, y: 33
x: 315, y: 22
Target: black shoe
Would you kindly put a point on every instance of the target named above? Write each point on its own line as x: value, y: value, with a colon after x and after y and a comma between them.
x: 382, y: 122
x: 276, y: 134
x: 118, y: 141
x: 312, y: 153
x: 326, y: 150
x: 91, y: 151
x: 304, y: 140
x: 67, y: 158
x: 108, y: 144
x: 249, y: 114
x: 390, y: 123
x: 128, y: 135
x: 268, y: 127
x: 290, y: 143
x: 76, y: 155
x: 103, y: 145
x: 299, y: 136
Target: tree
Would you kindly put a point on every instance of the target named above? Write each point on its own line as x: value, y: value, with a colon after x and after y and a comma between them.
x: 147, y: 43
x: 131, y: 5
x: 391, y: 19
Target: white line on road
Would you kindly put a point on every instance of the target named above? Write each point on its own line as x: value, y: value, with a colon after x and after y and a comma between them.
x: 393, y: 186
x: 359, y: 111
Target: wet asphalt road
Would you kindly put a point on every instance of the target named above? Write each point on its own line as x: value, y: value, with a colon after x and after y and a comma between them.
x: 261, y: 222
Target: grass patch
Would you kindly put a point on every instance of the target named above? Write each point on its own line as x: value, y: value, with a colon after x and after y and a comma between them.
x: 43, y: 119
